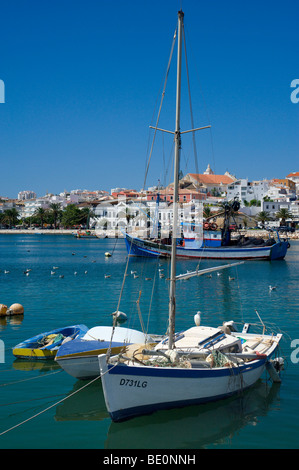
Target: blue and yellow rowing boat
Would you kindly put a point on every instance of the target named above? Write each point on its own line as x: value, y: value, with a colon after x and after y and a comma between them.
x: 45, y: 345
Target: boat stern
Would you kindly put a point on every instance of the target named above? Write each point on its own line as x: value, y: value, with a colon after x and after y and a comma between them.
x: 279, y: 250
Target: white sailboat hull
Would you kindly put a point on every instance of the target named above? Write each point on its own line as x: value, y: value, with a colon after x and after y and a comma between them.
x: 137, y: 390
x: 82, y: 367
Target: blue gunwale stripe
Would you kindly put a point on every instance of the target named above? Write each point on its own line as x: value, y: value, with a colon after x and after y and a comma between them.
x: 173, y: 372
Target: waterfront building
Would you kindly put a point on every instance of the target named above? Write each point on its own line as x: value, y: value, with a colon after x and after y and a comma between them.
x: 272, y: 207
x: 140, y: 217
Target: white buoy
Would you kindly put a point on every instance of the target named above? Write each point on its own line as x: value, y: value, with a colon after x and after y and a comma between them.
x: 108, y: 254
x: 120, y: 316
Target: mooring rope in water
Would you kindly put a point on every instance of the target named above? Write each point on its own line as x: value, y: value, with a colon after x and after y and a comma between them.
x: 55, y: 404
x: 31, y: 378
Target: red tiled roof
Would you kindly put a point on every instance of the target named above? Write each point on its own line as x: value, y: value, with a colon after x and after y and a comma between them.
x: 212, y: 179
x: 295, y: 173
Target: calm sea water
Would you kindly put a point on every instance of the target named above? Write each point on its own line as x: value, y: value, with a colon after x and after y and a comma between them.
x: 267, y: 416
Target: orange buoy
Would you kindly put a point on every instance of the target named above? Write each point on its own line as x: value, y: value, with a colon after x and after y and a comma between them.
x: 3, y: 309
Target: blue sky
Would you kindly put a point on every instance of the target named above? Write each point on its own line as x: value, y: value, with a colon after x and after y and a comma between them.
x: 82, y: 79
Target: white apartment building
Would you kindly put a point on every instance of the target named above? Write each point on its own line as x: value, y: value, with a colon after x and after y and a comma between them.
x: 32, y: 205
x: 294, y: 209
x: 24, y: 195
x: 143, y: 216
x: 272, y: 207
x: 247, y: 191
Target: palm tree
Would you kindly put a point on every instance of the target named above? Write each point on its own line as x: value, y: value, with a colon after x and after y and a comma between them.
x: 283, y: 214
x: 206, y: 212
x: 40, y: 214
x: 87, y: 213
x: 263, y: 217
x: 11, y: 216
x: 56, y: 212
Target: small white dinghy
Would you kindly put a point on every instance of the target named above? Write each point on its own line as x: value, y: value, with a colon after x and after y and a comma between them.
x: 79, y: 358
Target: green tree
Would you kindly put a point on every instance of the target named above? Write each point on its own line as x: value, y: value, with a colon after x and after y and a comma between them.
x: 11, y: 217
x: 71, y: 216
x: 255, y: 202
x: 86, y: 213
x: 283, y: 214
x: 56, y: 212
x: 263, y: 217
x: 206, y: 212
x: 40, y: 215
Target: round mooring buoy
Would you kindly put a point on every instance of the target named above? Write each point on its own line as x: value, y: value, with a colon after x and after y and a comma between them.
x: 3, y: 309
x: 15, y: 309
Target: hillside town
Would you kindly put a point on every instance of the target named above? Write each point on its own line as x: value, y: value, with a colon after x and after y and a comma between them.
x: 266, y: 203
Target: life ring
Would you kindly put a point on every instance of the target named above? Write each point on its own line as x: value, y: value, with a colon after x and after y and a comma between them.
x: 206, y: 225
x: 213, y: 226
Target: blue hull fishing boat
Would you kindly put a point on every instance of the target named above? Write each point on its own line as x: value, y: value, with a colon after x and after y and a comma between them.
x: 188, y: 248
x: 45, y: 345
x: 210, y: 243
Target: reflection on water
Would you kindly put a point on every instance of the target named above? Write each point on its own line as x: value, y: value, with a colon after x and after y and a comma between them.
x: 42, y: 366
x: 191, y: 427
x: 194, y: 427
x: 88, y: 404
x: 13, y: 320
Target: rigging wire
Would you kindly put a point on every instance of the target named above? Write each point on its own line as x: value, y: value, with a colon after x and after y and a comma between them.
x: 159, y: 112
x: 204, y: 104
x: 190, y: 103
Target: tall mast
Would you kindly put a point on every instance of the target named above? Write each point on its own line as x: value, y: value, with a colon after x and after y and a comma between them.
x: 176, y: 186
